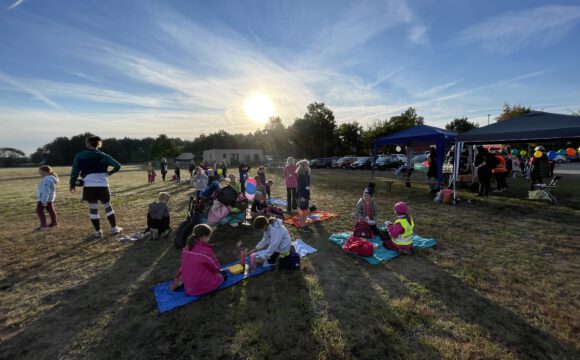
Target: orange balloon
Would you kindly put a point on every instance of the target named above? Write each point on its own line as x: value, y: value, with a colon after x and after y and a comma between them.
x: 570, y: 152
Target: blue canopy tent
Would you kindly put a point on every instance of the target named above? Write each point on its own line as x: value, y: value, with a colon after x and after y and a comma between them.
x: 420, y: 135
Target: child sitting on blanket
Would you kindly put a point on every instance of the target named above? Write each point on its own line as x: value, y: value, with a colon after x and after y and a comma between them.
x: 158, y: 218
x: 366, y: 209
x: 199, y: 272
x: 401, y: 230
x: 276, y: 240
x: 259, y: 206
x: 234, y: 184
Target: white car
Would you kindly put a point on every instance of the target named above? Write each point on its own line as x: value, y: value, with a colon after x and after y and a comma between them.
x: 561, y: 159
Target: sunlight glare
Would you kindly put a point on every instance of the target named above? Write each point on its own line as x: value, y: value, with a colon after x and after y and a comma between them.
x: 260, y: 108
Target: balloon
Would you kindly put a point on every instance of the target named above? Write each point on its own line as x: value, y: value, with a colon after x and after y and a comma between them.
x: 398, y: 148
x: 552, y: 154
x: 515, y: 152
x: 562, y: 152
x: 570, y: 152
x: 523, y: 153
x: 538, y: 154
x: 220, y: 171
x: 425, y: 164
x: 250, y: 186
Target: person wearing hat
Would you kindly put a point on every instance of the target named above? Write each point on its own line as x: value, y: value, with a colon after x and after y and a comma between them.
x: 366, y: 209
x: 401, y: 231
x: 539, y: 167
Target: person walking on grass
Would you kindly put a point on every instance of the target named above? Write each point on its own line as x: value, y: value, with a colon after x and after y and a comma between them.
x: 291, y: 184
x: 92, y: 165
x: 163, y: 168
x: 303, y: 190
x: 177, y: 172
x: 45, y: 195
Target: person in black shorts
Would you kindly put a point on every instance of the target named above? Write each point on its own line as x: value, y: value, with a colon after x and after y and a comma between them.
x: 92, y: 165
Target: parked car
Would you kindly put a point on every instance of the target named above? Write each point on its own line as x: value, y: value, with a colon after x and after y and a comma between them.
x: 418, y: 159
x: 327, y: 162
x: 562, y: 159
x: 401, y: 157
x: 364, y: 162
x: 345, y: 162
x: 388, y: 162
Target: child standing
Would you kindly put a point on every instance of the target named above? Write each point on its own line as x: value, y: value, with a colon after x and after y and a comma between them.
x: 45, y: 195
x: 158, y: 217
x: 303, y: 191
x: 244, y: 169
x: 199, y: 180
x: 260, y: 186
x: 401, y: 231
x: 266, y: 184
x: 151, y: 174
x: 366, y: 209
x: 199, y: 272
x: 291, y: 184
x: 177, y: 173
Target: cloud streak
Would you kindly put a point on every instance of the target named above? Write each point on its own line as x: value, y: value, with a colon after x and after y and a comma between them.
x: 36, y: 94
x: 17, y: 3
x: 515, y: 30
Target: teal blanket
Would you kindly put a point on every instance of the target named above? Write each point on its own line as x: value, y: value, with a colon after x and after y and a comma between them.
x: 381, y: 253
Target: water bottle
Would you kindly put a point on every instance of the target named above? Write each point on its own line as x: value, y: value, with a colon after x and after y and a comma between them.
x: 243, y: 257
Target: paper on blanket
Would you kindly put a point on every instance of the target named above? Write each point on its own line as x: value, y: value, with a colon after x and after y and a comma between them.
x: 168, y: 299
x: 315, y: 216
x: 300, y: 246
x: 276, y: 201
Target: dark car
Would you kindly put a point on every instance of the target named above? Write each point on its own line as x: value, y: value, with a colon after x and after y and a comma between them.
x: 364, y: 162
x: 344, y: 162
x: 326, y: 162
x: 388, y: 162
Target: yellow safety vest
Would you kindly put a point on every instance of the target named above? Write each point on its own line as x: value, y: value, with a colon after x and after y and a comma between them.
x: 406, y: 237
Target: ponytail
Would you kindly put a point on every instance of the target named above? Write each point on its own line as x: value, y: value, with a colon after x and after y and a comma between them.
x: 199, y: 231
x: 49, y: 170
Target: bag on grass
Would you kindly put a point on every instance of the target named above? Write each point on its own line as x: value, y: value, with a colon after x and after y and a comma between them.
x: 362, y: 230
x: 358, y: 246
x: 290, y: 262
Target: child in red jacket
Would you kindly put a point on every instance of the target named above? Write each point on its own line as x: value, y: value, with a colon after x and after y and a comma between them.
x: 199, y: 272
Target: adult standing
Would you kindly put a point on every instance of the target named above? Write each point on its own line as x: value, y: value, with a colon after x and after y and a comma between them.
x: 432, y: 170
x: 92, y: 165
x: 191, y: 169
x: 539, y: 167
x: 291, y: 184
x: 484, y: 162
x: 500, y: 172
x: 244, y: 170
x: 163, y: 168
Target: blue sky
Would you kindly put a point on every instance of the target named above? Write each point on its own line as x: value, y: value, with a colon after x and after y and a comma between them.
x: 141, y: 68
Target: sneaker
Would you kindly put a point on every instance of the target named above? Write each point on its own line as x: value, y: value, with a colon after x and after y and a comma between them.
x: 305, y: 229
x: 98, y: 233
x: 116, y: 230
x: 41, y: 228
x: 53, y: 225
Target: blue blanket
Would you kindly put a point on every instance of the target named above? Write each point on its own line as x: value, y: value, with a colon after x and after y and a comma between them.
x: 381, y: 253
x: 277, y: 202
x: 228, y: 220
x: 168, y: 299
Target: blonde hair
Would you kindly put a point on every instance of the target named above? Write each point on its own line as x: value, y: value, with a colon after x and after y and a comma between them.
x: 163, y: 197
x: 290, y: 160
x: 49, y: 170
x: 303, y: 168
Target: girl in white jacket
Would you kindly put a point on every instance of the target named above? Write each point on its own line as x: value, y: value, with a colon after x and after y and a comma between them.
x: 276, y: 239
x: 45, y: 195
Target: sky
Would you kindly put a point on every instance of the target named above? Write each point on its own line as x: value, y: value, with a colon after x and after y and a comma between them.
x: 141, y: 68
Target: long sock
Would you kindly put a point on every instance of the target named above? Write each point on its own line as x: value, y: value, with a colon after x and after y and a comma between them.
x: 94, y: 215
x: 110, y: 214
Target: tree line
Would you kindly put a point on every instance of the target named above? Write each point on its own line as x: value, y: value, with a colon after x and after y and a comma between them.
x: 315, y: 134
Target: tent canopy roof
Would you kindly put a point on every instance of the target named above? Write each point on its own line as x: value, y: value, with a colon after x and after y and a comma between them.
x: 533, y: 126
x: 419, y: 133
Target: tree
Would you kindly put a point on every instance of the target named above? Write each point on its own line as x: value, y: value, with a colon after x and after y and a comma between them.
x: 461, y: 125
x: 510, y: 112
x: 164, y: 147
x: 276, y: 137
x: 315, y: 133
x: 11, y: 157
x: 350, y: 137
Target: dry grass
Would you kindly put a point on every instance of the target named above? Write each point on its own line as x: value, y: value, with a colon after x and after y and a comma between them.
x: 503, y: 282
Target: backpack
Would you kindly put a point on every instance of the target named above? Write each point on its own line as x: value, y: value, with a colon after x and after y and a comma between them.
x: 362, y: 230
x: 290, y: 262
x: 358, y: 246
x: 228, y: 196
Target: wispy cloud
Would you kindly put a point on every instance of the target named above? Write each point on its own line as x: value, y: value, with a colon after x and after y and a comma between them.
x: 35, y: 93
x: 437, y: 89
x: 514, y: 30
x: 18, y: 2
x: 418, y: 35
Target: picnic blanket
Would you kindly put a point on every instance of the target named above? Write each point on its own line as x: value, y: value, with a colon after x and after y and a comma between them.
x: 139, y: 235
x: 381, y: 253
x: 276, y: 201
x: 228, y: 220
x: 315, y: 216
x: 168, y: 299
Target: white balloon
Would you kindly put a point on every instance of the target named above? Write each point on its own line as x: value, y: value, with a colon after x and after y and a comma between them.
x: 398, y: 148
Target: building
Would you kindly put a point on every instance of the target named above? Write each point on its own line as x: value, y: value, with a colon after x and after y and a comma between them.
x: 185, y: 157
x: 234, y: 156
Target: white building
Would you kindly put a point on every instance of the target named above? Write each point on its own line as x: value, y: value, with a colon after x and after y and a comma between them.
x: 234, y: 156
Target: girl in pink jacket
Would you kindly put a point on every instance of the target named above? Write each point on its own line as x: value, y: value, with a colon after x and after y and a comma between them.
x: 291, y: 184
x: 199, y: 272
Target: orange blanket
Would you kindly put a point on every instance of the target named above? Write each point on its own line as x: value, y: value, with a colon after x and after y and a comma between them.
x: 314, y: 216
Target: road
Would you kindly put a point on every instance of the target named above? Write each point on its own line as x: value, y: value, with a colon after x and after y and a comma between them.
x: 572, y: 168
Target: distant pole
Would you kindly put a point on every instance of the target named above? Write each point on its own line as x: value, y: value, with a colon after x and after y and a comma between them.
x: 488, y: 118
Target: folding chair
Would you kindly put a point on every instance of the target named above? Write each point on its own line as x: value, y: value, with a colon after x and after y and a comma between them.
x: 543, y: 190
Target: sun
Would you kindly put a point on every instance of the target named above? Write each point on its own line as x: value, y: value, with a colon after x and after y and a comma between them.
x: 259, y: 108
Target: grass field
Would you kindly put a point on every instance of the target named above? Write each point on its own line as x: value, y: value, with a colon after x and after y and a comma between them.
x: 503, y: 283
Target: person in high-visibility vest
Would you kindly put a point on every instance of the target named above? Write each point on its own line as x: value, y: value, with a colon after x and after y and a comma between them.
x: 500, y: 172
x: 401, y: 231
